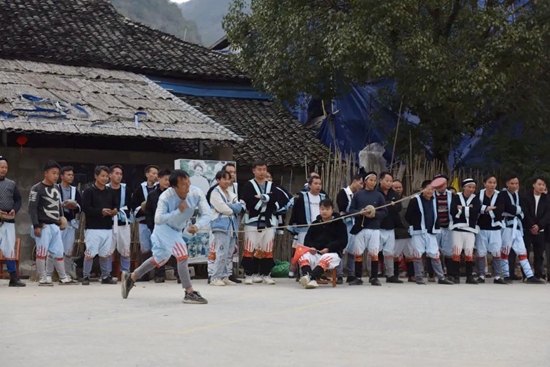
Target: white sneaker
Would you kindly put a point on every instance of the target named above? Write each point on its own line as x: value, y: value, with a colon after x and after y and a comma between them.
x: 291, y: 274
x: 256, y: 278
x: 226, y: 281
x: 43, y: 282
x: 312, y: 284
x: 267, y: 280
x: 305, y: 280
x: 217, y: 282
x: 49, y: 279
x: 248, y: 280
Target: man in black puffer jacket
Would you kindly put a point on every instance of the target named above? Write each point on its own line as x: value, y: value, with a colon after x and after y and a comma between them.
x: 327, y: 237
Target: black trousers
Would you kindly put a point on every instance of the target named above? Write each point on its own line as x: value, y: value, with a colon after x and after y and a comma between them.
x: 536, y: 244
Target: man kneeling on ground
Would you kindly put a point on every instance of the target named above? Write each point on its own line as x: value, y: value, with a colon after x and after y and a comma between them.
x: 327, y: 237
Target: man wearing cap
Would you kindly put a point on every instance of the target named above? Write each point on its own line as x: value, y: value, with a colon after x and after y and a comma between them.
x: 367, y: 227
x: 10, y: 203
x: 424, y: 225
x: 465, y: 208
x: 443, y: 198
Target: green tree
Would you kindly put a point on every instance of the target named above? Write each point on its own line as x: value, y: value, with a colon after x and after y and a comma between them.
x: 458, y: 64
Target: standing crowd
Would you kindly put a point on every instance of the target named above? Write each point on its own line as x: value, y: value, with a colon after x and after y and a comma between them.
x: 372, y: 216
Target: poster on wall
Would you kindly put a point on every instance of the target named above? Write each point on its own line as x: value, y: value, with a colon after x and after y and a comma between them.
x: 202, y: 173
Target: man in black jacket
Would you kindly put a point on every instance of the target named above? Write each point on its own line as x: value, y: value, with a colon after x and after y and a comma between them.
x: 139, y: 199
x: 424, y: 226
x: 151, y: 208
x: 327, y: 237
x: 465, y: 209
x: 100, y: 205
x: 537, y: 218
x: 387, y: 227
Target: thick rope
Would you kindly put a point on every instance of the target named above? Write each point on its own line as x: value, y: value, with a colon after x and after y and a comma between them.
x: 320, y: 223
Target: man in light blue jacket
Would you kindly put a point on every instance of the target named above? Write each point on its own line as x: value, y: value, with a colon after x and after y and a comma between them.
x: 175, y: 207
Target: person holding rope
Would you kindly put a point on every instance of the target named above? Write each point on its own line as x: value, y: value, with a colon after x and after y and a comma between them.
x: 326, y: 237
x: 443, y: 197
x: 343, y: 200
x: 403, y: 245
x: 465, y: 208
x: 424, y: 226
x: 489, y: 238
x: 387, y: 228
x: 367, y: 227
x: 512, y: 234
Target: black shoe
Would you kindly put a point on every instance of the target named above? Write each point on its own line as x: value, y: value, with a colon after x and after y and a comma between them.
x: 179, y: 280
x: 500, y: 281
x: 456, y: 280
x: 445, y: 281
x: 471, y: 280
x: 159, y: 280
x: 420, y: 281
x: 515, y: 277
x: 194, y: 298
x: 508, y: 280
x: 533, y: 280
x: 357, y: 281
x: 208, y: 281
x: 481, y: 280
x: 16, y: 283
x: 375, y: 282
x: 394, y: 279
x: 340, y: 280
x: 234, y: 279
x: 127, y: 284
x: 85, y: 281
x: 350, y: 278
x: 108, y: 280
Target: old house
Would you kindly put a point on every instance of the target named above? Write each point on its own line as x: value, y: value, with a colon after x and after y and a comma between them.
x: 81, y: 84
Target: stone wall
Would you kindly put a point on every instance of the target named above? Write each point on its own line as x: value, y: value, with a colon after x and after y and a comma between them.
x: 25, y: 168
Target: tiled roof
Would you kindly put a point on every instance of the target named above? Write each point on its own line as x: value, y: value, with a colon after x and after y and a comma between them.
x: 270, y: 133
x: 57, y: 99
x: 91, y: 33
